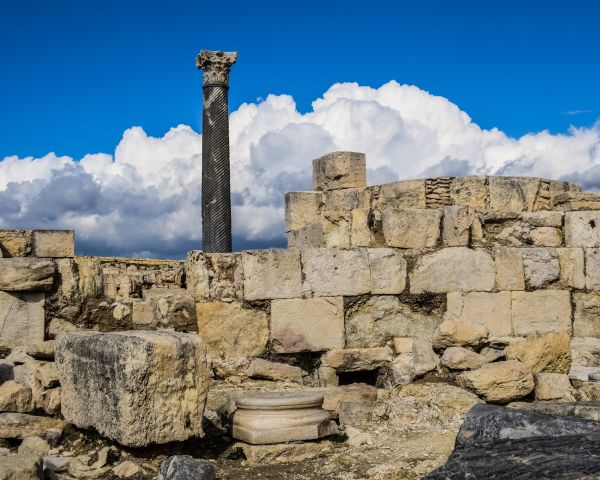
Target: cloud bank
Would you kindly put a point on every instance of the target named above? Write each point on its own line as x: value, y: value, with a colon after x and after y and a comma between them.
x: 144, y: 199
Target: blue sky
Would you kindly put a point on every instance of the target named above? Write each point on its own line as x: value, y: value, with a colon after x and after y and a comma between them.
x: 76, y: 74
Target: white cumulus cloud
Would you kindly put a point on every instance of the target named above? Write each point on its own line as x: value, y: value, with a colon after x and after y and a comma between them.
x: 144, y: 199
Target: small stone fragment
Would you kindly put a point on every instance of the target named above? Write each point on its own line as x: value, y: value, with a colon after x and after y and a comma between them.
x: 454, y: 333
x: 181, y: 467
x: 15, y: 398
x: 543, y: 352
x: 459, y: 358
x: 260, y: 368
x: 553, y: 386
x: 34, y: 446
x: 21, y: 467
x: 126, y: 469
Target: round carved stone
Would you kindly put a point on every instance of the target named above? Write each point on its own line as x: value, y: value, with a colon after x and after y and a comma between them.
x: 276, y: 417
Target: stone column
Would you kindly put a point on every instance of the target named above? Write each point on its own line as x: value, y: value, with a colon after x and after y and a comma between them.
x: 216, y: 189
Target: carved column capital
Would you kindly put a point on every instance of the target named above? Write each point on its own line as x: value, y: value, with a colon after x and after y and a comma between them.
x: 216, y: 66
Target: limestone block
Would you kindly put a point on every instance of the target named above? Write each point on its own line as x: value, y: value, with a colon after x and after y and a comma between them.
x: 493, y: 354
x: 499, y: 382
x: 546, y: 236
x: 21, y: 467
x: 171, y: 308
x: 378, y: 319
x: 279, y: 453
x: 489, y: 309
x: 553, y: 386
x: 357, y: 359
x: 360, y: 231
x: 15, y: 398
x: 582, y: 229
x: 455, y: 333
x: 22, y: 425
x: 400, y: 195
x: 345, y: 394
x: 456, y: 226
x: 542, y: 311
x: 302, y: 209
x: 424, y: 358
x: 136, y: 387
x: 585, y: 352
x: 272, y: 274
x: 34, y: 446
x: 127, y: 469
x: 453, y: 269
x: 459, y: 358
x: 469, y: 191
x: 403, y: 344
x: 214, y: 276
x: 54, y: 243
x: 50, y: 401
x: 260, y: 368
x: 16, y: 243
x: 574, y: 201
x: 512, y: 194
x: 411, y: 227
x: 388, y: 271
x: 586, y: 315
x: 571, y: 267
x: 510, y: 274
x: 541, y: 266
x: 543, y: 219
x: 307, y: 325
x: 331, y: 272
x: 328, y: 377
x: 347, y: 199
x: 340, y: 170
x: 26, y: 274
x: 543, y: 352
x: 337, y: 229
x: 307, y: 237
x: 592, y: 268
x: 21, y: 318
x: 232, y: 330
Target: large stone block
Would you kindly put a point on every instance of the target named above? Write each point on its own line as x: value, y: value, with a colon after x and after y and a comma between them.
x: 541, y: 266
x: 347, y: 199
x: 573, y: 201
x: 541, y: 311
x: 340, y: 170
x: 543, y: 352
x: 307, y: 237
x: 331, y: 272
x: 16, y: 243
x: 21, y: 467
x: 489, y: 309
x: 456, y: 226
x: 510, y: 274
x: 399, y: 195
x: 357, y: 359
x: 586, y: 315
x: 592, y: 268
x: 411, y: 227
x: 136, y: 388
x: 571, y: 261
x: 469, y: 191
x: 21, y: 318
x: 512, y: 194
x: 26, y: 274
x: 337, y: 229
x: 231, y: 330
x: 54, y: 243
x: 453, y: 269
x: 214, y: 276
x: 272, y: 274
x: 302, y: 209
x: 307, y: 325
x: 388, y: 271
x: 455, y: 333
x: 585, y: 351
x: 582, y: 229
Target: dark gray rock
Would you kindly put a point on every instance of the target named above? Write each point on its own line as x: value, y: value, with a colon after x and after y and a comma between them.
x: 181, y: 467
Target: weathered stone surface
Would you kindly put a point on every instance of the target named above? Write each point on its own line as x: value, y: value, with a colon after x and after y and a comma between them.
x: 217, y: 276
x: 499, y: 382
x: 489, y: 309
x: 571, y: 267
x: 357, y: 359
x: 541, y: 311
x: 541, y: 267
x: 543, y: 219
x: 456, y: 226
x: 346, y: 394
x: 546, y: 236
x: 47, y: 375
x: 379, y: 319
x: 403, y: 344
x: 26, y: 274
x: 470, y: 191
x: 21, y: 425
x: 134, y: 387
x: 512, y: 194
x: 573, y: 201
x: 510, y: 274
x: 126, y: 469
x: 553, y: 386
x: 403, y: 194
x: 459, y: 358
x: 340, y: 170
x: 346, y: 200
x: 493, y: 354
x: 453, y: 270
x: 54, y: 243
x: 592, y: 268
x: 21, y: 467
x: 582, y: 229
x: 260, y: 368
x: 302, y: 209
x: 585, y: 352
x: 360, y: 233
x: 424, y: 358
x: 15, y: 398
x: 307, y: 237
x: 388, y: 271
x: 586, y: 315
x: 272, y: 274
x: 337, y: 229
x: 230, y: 330
x: 307, y: 325
x: 34, y: 446
x: 328, y: 377
x: 330, y: 272
x: 283, y: 452
x: 543, y: 352
x: 21, y: 318
x: 455, y: 333
x: 15, y: 243
x: 51, y: 401
x: 181, y: 467
x: 411, y: 227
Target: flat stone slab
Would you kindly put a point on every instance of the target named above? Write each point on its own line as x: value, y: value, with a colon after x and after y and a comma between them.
x: 277, y: 417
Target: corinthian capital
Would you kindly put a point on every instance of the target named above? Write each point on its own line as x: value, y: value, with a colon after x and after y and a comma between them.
x: 216, y: 66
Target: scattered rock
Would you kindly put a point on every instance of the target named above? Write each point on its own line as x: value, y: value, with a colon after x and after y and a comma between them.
x: 260, y: 368
x: 543, y: 352
x: 15, y: 398
x: 283, y: 452
x: 493, y: 354
x: 424, y: 358
x: 553, y: 386
x: 21, y: 425
x: 47, y: 375
x: 180, y: 467
x: 56, y: 464
x: 21, y: 467
x: 34, y: 446
x: 126, y: 469
x: 459, y: 358
x: 454, y: 333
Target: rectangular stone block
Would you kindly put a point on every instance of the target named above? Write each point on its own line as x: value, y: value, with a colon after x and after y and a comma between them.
x: 411, y: 227
x: 272, y: 274
x: 592, y: 268
x: 489, y: 309
x: 388, y: 271
x: 337, y: 229
x: 331, y: 272
x: 512, y: 194
x: 575, y: 201
x: 16, y: 243
x: 54, y: 243
x: 585, y: 351
x: 307, y: 237
x: 215, y: 276
x: 571, y: 261
x: 302, y: 209
x: 403, y: 194
x: 357, y: 359
x: 456, y: 226
x: 360, y: 233
x: 21, y: 318
x: 582, y: 229
x: 509, y: 268
x: 346, y: 199
x: 543, y: 219
x: 23, y: 274
x: 340, y: 170
x: 307, y: 325
x: 136, y: 388
x: 586, y: 315
x: 469, y: 191
x: 541, y: 311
